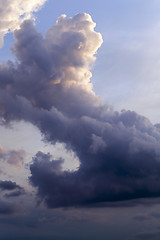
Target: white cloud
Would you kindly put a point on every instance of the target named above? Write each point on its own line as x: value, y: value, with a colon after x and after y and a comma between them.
x: 14, y: 12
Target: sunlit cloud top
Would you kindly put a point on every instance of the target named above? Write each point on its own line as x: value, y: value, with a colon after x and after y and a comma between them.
x: 14, y: 12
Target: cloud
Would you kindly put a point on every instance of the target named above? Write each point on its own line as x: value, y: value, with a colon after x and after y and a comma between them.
x: 6, y: 208
x: 13, y: 157
x: 14, y: 189
x: 8, y: 185
x: 142, y: 218
x: 148, y: 235
x: 14, y: 12
x: 156, y: 215
x: 15, y: 193
x: 49, y: 86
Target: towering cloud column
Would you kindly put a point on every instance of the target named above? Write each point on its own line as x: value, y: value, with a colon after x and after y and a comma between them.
x: 50, y: 87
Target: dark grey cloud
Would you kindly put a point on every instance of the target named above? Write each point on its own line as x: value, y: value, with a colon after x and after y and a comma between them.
x: 156, y: 215
x: 15, y: 193
x: 148, y: 235
x: 142, y: 218
x: 147, y: 217
x: 14, y: 189
x: 50, y: 87
x: 6, y: 208
x: 8, y: 185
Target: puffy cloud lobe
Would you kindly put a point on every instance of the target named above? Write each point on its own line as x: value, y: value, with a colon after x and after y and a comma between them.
x: 14, y: 12
x: 109, y: 174
x: 53, y: 73
x: 8, y: 185
x: 15, y: 189
x: 50, y: 87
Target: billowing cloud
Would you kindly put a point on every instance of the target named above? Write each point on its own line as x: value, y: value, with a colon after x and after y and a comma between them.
x: 8, y: 185
x: 14, y: 12
x: 50, y: 87
x: 14, y: 189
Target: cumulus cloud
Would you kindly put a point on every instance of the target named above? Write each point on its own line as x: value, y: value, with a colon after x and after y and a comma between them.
x: 50, y: 87
x: 9, y: 185
x: 14, y: 189
x: 14, y: 12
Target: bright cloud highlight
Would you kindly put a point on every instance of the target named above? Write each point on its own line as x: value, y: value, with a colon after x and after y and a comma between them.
x: 14, y: 12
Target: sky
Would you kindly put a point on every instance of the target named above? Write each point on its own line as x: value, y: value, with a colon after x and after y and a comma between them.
x: 79, y: 119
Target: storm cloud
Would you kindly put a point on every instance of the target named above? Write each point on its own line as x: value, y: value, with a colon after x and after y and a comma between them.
x: 49, y: 86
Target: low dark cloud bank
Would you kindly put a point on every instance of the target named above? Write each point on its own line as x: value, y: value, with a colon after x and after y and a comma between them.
x: 50, y: 87
x: 6, y: 208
